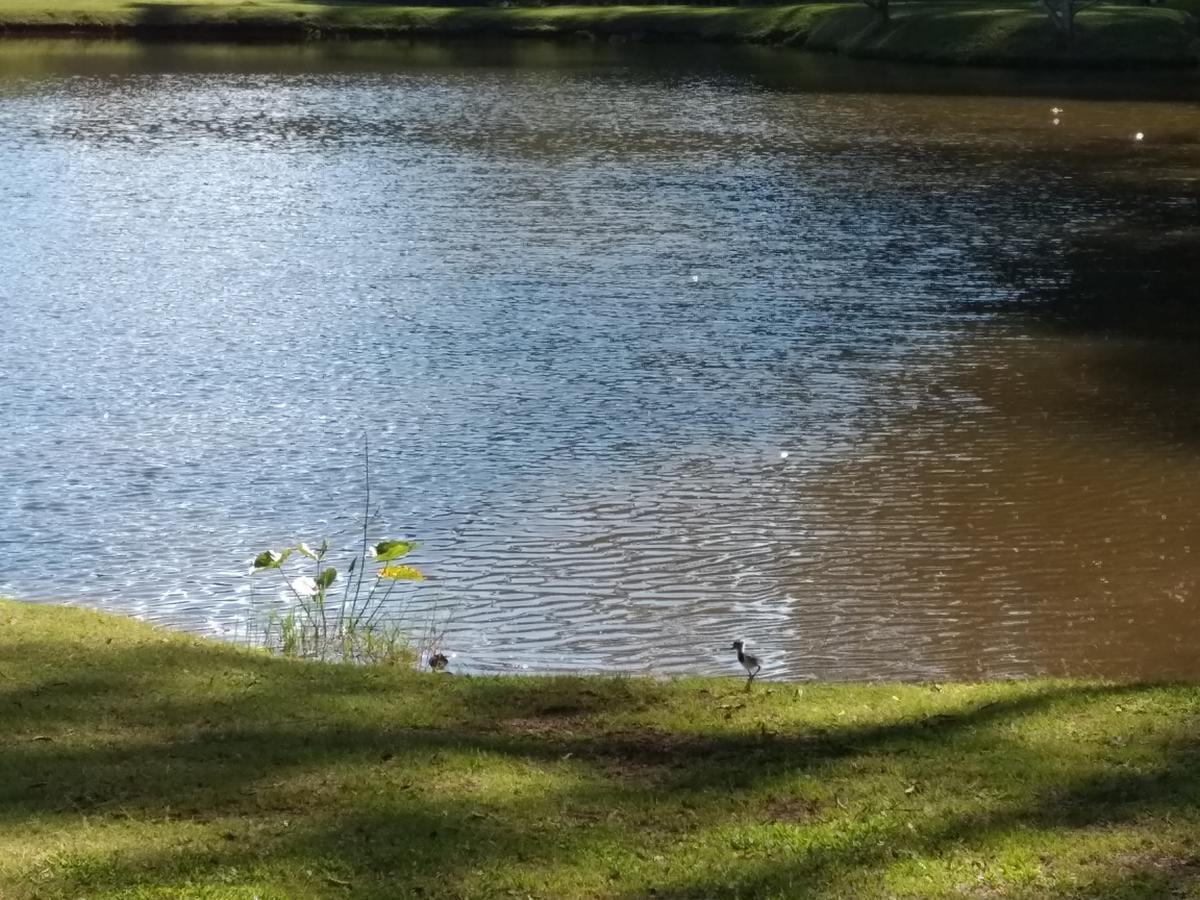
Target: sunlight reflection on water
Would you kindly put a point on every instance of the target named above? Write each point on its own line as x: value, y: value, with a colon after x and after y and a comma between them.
x: 652, y: 355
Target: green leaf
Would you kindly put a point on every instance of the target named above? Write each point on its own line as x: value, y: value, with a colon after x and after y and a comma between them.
x: 306, y: 550
x: 325, y: 578
x: 386, y: 551
x: 269, y: 559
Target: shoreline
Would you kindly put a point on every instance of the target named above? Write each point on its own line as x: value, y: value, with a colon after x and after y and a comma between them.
x: 944, y: 33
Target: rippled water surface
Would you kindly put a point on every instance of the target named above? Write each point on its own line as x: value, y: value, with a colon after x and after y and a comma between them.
x: 584, y: 300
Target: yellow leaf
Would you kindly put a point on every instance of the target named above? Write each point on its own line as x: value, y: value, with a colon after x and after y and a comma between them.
x: 401, y: 573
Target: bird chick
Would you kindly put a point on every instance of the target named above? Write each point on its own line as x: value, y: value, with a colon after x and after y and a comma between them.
x: 750, y: 663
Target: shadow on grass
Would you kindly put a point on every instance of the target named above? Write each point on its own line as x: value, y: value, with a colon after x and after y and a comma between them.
x: 1136, y: 878
x: 385, y: 780
x: 1094, y: 802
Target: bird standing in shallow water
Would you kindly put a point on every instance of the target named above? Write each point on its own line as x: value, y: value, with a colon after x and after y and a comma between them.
x: 750, y: 663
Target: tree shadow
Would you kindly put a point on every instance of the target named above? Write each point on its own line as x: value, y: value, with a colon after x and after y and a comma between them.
x: 1142, y: 876
x: 382, y: 779
x: 1093, y: 802
x: 1126, y: 289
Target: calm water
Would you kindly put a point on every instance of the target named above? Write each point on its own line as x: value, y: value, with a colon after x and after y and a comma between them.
x: 583, y: 300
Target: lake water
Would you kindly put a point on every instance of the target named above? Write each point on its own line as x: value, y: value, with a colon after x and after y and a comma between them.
x: 583, y: 299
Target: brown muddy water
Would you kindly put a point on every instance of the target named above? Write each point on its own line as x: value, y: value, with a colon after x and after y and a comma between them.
x: 584, y: 300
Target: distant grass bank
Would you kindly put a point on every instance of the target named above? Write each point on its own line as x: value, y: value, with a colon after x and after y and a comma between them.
x: 938, y: 31
x: 138, y: 763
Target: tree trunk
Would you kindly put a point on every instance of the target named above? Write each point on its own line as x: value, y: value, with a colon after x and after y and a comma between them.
x: 881, y: 8
x: 1062, y: 17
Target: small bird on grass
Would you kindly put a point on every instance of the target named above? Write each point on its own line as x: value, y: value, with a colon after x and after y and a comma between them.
x: 750, y: 663
x: 438, y: 662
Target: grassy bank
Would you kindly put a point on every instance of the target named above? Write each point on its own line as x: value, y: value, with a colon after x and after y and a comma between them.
x: 1003, y: 33
x: 137, y: 763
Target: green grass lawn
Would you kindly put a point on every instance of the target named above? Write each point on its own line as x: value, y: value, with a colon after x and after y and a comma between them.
x: 947, y: 31
x: 138, y: 763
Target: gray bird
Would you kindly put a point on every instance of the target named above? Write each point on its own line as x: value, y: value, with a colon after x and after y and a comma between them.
x: 750, y: 663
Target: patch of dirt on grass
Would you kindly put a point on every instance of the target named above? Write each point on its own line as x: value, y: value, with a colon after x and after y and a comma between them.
x: 630, y: 754
x: 645, y: 756
x: 1185, y: 870
x: 564, y: 728
x: 791, y: 810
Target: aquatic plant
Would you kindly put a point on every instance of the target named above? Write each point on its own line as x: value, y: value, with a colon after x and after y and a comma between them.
x: 336, y: 617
